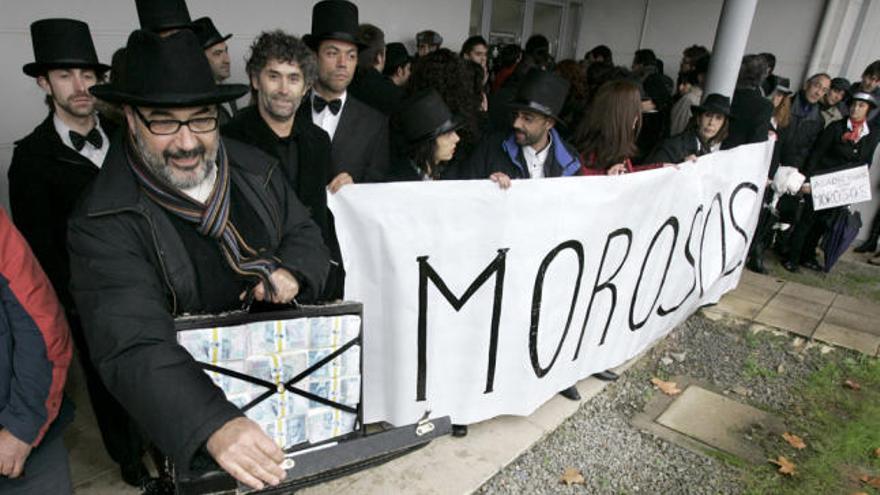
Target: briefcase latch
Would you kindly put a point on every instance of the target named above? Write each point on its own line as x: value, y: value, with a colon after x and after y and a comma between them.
x: 424, y: 427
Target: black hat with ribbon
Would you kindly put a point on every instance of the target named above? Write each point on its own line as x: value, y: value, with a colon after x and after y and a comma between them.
x: 207, y: 33
x: 714, y: 103
x: 333, y: 20
x: 541, y: 92
x: 866, y: 97
x: 162, y: 15
x: 62, y: 44
x: 425, y: 116
x: 169, y: 71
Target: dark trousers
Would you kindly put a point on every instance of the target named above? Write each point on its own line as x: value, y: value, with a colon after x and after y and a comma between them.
x: 122, y: 438
x: 764, y: 229
x: 807, y: 232
x: 46, y: 471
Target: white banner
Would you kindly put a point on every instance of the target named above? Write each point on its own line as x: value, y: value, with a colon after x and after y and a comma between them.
x: 845, y: 187
x: 480, y: 302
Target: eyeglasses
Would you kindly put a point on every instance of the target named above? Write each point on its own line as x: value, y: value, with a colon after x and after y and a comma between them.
x: 165, y: 127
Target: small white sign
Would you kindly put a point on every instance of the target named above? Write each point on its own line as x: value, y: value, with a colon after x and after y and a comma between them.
x: 845, y: 187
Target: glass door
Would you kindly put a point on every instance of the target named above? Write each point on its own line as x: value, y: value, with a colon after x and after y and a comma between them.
x: 547, y: 20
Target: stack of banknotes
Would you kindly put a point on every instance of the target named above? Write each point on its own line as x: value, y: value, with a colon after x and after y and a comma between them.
x: 277, y: 352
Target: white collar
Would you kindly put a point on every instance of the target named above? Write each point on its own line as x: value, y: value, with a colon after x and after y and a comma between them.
x: 540, y: 155
x: 201, y: 192
x: 63, y: 130
x: 341, y: 98
x: 863, y: 131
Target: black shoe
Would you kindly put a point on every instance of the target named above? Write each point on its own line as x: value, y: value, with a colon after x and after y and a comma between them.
x: 756, y: 265
x: 459, y: 430
x: 607, y: 376
x: 158, y: 486
x: 813, y: 265
x: 134, y: 474
x: 570, y: 393
x: 868, y: 246
x: 791, y: 266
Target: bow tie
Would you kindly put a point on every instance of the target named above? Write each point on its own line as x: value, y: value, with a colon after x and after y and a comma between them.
x: 93, y: 137
x: 319, y: 104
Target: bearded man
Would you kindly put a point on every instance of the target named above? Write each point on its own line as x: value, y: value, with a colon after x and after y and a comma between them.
x: 182, y: 221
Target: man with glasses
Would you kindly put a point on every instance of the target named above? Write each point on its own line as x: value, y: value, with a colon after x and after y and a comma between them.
x: 182, y: 221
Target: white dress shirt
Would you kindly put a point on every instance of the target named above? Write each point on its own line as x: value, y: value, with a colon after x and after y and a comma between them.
x: 535, y: 159
x: 326, y: 120
x: 95, y: 155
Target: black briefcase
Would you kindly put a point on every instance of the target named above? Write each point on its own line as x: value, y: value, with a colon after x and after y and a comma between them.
x: 297, y: 373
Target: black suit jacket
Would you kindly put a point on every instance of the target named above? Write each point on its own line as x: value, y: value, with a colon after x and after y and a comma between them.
x: 46, y: 178
x: 309, y: 174
x: 360, y: 146
x: 750, y: 116
x: 371, y: 87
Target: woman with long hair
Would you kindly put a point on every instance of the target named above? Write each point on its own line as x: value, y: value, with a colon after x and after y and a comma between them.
x: 704, y: 135
x: 606, y: 139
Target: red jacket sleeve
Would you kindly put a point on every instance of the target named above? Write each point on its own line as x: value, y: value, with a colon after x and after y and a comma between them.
x: 39, y: 338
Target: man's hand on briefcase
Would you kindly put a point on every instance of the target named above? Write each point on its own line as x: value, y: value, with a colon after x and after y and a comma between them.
x: 286, y: 288
x: 242, y: 449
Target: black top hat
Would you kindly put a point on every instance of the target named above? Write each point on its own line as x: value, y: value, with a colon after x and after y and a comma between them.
x: 426, y: 116
x: 714, y: 103
x: 333, y: 20
x: 395, y: 56
x: 541, y: 92
x: 866, y: 97
x: 783, y: 85
x: 161, y: 15
x: 167, y: 72
x: 207, y: 32
x: 62, y: 44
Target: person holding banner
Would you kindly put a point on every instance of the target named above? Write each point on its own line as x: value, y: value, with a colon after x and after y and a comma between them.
x: 430, y: 130
x: 707, y: 130
x: 181, y: 221
x: 846, y: 142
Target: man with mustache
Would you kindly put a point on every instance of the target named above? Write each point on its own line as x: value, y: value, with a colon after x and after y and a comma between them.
x: 182, y: 221
x: 50, y: 169
x: 217, y: 53
x: 281, y: 69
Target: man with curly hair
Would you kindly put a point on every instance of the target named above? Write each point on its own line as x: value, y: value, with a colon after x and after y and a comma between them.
x: 281, y: 69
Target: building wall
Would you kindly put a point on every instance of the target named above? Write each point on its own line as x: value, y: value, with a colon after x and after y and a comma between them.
x: 112, y: 20
x: 672, y: 25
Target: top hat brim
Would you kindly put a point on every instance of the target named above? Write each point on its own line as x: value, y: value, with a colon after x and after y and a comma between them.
x: 36, y: 69
x: 535, y: 107
x: 453, y: 124
x: 314, y: 41
x: 223, y: 93
x: 703, y: 109
x: 213, y: 41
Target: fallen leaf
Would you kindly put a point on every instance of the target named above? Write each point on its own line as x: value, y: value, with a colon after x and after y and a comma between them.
x: 877, y: 452
x: 572, y: 476
x: 870, y: 481
x: 785, y: 466
x: 860, y: 493
x: 794, y: 440
x: 852, y: 385
x: 668, y: 388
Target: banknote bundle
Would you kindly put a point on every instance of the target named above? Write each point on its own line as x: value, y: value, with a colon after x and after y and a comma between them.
x: 278, y: 352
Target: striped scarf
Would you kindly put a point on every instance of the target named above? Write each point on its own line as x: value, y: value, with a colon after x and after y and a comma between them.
x: 211, y: 218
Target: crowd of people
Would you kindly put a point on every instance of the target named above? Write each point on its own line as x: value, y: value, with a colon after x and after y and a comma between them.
x: 147, y: 194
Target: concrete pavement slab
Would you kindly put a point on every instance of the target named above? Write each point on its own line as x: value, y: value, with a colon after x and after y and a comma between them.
x: 792, y: 314
x: 863, y: 342
x: 816, y: 295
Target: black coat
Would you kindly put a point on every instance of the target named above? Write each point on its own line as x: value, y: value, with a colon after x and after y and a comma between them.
x: 499, y: 152
x: 308, y: 171
x: 676, y: 148
x: 46, y: 178
x: 831, y: 151
x: 131, y: 275
x: 750, y: 115
x: 804, y: 127
x: 360, y: 146
x: 377, y: 91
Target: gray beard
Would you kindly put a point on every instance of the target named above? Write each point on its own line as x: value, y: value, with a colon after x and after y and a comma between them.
x: 157, y: 165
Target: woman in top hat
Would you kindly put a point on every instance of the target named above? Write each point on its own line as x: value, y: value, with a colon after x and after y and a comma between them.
x: 846, y: 142
x: 430, y: 131
x: 704, y: 135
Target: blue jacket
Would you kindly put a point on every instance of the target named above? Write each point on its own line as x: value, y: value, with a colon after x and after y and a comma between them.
x: 500, y: 153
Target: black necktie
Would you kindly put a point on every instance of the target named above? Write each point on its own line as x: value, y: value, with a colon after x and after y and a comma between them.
x: 319, y: 104
x: 93, y: 137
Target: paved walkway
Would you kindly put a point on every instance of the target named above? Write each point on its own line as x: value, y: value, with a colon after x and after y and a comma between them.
x: 455, y: 466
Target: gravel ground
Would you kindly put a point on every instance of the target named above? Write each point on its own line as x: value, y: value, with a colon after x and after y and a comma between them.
x: 762, y: 369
